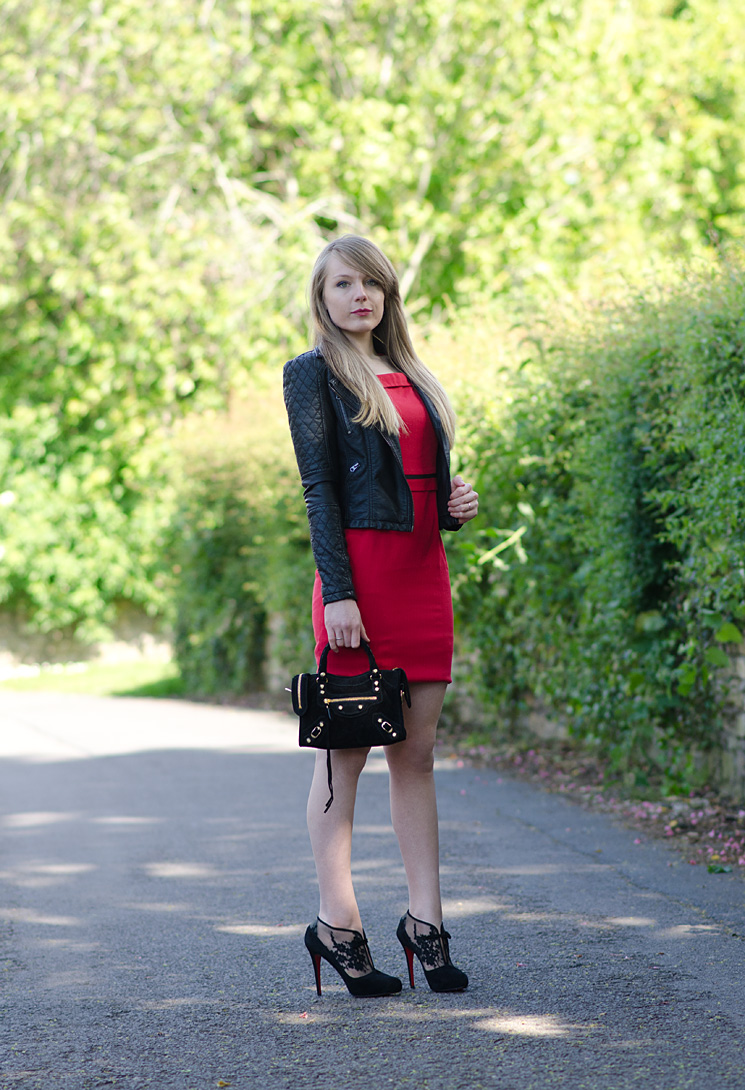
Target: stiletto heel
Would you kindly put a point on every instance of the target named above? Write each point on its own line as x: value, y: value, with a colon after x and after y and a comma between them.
x: 430, y: 944
x: 316, y: 959
x: 353, y: 955
x: 410, y: 962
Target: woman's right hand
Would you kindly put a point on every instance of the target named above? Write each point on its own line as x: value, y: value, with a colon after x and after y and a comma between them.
x: 344, y: 625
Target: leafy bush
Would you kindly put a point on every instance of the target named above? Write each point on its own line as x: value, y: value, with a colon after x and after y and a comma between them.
x: 616, y: 462
x: 75, y: 542
x: 240, y: 552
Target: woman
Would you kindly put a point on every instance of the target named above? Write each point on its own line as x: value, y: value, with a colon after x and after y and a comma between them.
x: 372, y: 429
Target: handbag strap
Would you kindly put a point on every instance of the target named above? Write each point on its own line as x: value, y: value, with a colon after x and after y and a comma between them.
x: 364, y: 645
x: 330, y: 780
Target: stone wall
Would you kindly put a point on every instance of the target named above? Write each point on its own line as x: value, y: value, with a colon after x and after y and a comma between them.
x: 731, y: 770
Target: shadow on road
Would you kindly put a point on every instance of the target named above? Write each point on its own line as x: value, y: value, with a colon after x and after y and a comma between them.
x: 152, y: 911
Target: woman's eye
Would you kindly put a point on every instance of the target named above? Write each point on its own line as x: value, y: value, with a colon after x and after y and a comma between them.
x: 342, y: 283
x: 373, y: 282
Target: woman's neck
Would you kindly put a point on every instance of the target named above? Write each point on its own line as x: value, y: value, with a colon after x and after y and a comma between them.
x: 381, y: 365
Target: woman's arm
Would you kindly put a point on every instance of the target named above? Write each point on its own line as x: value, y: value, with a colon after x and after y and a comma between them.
x: 312, y: 428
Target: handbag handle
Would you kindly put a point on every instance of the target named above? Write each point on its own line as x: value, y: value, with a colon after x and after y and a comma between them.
x: 364, y: 645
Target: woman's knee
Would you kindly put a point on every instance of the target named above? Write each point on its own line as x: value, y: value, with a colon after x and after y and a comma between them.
x: 412, y: 757
x: 344, y: 762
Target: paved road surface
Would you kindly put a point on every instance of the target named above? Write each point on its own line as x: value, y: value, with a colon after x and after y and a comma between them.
x: 157, y: 880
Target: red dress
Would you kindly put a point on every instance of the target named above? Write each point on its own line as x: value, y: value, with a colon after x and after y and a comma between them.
x: 401, y: 578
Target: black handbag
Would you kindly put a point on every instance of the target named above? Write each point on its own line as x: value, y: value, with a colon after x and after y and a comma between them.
x: 350, y: 712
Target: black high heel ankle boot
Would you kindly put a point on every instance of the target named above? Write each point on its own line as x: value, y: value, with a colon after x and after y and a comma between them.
x: 430, y: 944
x: 350, y: 954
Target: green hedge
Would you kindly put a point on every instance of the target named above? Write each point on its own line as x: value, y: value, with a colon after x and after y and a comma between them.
x: 240, y: 553
x: 617, y: 461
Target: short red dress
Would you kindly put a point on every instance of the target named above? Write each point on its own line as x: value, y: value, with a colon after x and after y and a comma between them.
x: 401, y: 578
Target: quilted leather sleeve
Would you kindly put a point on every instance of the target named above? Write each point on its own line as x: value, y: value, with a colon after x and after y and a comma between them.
x: 313, y: 430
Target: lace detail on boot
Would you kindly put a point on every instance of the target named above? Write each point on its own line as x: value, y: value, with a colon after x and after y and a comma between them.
x: 349, y: 947
x: 429, y: 944
x: 347, y: 951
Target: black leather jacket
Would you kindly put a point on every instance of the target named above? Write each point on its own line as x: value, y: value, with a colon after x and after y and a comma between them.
x: 352, y: 476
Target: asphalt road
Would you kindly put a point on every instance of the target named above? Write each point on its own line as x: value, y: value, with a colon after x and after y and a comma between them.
x: 157, y: 880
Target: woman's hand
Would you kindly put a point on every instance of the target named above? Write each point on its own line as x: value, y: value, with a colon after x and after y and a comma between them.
x: 464, y: 502
x: 344, y: 624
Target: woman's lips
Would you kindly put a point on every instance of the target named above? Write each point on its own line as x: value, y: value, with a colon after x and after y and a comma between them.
x: 363, y: 310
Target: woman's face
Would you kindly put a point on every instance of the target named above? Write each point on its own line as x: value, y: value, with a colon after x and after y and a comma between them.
x: 354, y: 300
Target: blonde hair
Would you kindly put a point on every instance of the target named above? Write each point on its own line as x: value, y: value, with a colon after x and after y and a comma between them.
x: 391, y: 338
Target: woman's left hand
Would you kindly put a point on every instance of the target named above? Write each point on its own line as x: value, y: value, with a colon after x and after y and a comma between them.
x: 464, y: 502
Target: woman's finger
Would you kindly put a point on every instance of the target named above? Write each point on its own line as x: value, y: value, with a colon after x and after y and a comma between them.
x: 460, y: 488
x: 468, y: 503
x: 467, y: 508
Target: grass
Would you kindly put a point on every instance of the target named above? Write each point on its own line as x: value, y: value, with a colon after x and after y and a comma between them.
x: 112, y: 679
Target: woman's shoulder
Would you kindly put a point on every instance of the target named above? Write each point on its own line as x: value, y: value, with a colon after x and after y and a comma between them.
x: 304, y: 380
x: 312, y: 360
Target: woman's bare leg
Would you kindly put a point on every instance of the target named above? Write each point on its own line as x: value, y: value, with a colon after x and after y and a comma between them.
x: 413, y: 802
x: 331, y: 835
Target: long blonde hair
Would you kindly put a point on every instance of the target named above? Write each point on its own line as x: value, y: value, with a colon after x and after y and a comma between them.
x: 391, y: 338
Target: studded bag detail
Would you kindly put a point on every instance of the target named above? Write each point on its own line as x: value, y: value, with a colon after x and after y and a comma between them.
x: 338, y: 712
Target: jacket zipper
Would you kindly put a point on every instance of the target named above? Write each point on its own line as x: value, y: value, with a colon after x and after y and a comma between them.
x: 337, y: 395
x: 344, y: 415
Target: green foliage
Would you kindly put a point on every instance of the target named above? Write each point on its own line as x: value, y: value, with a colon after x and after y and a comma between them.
x: 133, y: 289
x: 240, y: 552
x: 74, y: 544
x: 167, y: 174
x: 491, y: 146
x: 620, y: 455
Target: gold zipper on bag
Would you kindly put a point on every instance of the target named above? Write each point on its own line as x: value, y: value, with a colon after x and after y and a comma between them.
x: 347, y: 699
